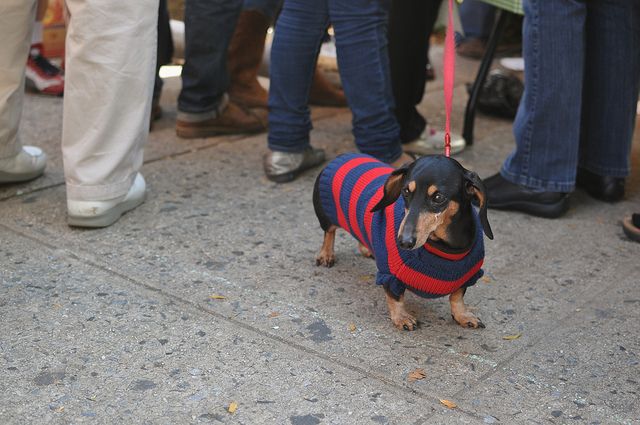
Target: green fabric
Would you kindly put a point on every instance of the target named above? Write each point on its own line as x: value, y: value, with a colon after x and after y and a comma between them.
x: 514, y: 6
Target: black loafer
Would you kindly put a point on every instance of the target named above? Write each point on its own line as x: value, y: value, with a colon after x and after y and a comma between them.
x: 504, y: 195
x: 604, y: 188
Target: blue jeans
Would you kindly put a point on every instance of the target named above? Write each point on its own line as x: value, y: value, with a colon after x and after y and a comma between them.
x: 476, y: 18
x: 209, y: 26
x: 582, y: 72
x: 266, y: 7
x: 361, y: 42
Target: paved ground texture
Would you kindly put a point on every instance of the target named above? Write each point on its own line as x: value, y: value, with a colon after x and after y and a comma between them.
x: 123, y: 326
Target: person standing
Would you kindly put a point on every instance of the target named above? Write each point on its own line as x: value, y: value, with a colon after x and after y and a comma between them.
x: 575, y: 121
x: 110, y: 59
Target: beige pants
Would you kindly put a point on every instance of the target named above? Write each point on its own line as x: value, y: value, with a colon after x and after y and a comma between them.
x: 109, y: 74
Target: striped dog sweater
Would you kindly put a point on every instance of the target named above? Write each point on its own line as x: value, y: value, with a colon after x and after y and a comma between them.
x: 349, y: 187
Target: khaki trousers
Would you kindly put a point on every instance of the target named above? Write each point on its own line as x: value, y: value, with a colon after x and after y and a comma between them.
x: 109, y: 74
x: 16, y: 23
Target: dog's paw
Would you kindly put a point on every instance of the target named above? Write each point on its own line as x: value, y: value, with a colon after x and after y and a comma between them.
x: 327, y: 260
x: 468, y: 320
x: 405, y: 322
x: 365, y: 251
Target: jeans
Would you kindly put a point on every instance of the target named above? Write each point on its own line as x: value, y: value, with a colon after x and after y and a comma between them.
x: 269, y: 8
x: 582, y: 72
x: 361, y: 42
x: 209, y: 26
x: 476, y: 18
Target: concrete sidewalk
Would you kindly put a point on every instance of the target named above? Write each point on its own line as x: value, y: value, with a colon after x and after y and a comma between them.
x: 118, y: 326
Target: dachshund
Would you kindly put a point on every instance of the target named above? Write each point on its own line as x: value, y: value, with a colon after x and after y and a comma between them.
x: 417, y: 222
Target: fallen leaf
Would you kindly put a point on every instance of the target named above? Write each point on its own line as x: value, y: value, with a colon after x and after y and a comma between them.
x: 59, y: 409
x: 217, y: 297
x: 273, y: 314
x: 233, y: 407
x: 416, y: 375
x: 449, y: 404
x: 366, y: 277
x: 485, y: 279
x: 512, y: 337
x: 352, y: 327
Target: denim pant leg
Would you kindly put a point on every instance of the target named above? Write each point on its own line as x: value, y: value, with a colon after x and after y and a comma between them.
x: 547, y: 125
x: 209, y: 26
x: 610, y: 86
x: 477, y: 18
x: 298, y: 34
x: 363, y: 61
x: 266, y: 7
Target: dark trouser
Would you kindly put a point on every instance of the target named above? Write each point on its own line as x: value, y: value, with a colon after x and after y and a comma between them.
x: 209, y: 26
x: 410, y: 25
x: 165, y: 45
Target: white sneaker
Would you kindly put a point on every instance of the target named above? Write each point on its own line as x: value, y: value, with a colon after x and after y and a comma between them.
x: 105, y: 213
x: 28, y: 164
x: 431, y: 141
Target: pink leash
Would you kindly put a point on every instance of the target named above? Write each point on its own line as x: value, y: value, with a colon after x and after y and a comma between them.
x: 449, y: 75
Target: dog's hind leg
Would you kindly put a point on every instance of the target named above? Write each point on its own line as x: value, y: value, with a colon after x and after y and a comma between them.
x: 327, y: 257
x: 460, y: 313
x: 400, y: 317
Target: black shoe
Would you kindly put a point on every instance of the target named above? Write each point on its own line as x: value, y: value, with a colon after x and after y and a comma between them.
x: 604, y: 188
x: 504, y: 195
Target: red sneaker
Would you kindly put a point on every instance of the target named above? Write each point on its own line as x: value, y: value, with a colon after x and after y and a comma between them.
x: 41, y: 75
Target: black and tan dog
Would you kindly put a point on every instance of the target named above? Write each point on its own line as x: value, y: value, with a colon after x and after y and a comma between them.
x: 417, y: 221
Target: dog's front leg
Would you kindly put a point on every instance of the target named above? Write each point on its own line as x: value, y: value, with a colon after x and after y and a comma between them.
x: 364, y: 251
x: 400, y: 317
x: 327, y: 257
x: 460, y: 313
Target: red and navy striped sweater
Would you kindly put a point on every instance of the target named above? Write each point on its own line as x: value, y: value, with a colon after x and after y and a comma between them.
x: 349, y: 187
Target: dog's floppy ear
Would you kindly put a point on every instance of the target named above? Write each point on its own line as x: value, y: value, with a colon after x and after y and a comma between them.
x: 392, y: 188
x: 475, y: 187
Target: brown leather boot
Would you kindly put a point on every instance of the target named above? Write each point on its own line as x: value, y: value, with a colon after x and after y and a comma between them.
x: 325, y: 93
x: 244, y: 57
x: 232, y: 120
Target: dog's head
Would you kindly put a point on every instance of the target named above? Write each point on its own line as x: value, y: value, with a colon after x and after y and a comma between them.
x: 436, y: 191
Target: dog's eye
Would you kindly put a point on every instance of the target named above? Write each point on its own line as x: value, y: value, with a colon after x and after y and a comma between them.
x: 437, y: 198
x: 405, y: 191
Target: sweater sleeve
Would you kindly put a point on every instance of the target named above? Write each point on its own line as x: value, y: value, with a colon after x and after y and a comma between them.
x: 396, y: 287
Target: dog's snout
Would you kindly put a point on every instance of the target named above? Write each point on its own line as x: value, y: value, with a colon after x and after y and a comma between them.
x: 407, y: 242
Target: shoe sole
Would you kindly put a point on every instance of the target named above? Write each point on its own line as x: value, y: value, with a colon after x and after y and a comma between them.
x: 554, y: 210
x: 108, y: 218
x: 199, y: 133
x: 19, y: 177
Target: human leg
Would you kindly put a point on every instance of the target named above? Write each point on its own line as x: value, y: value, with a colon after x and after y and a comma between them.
x: 610, y: 96
x: 297, y: 38
x: 203, y: 106
x: 547, y: 125
x: 17, y: 163
x: 363, y: 59
x: 106, y: 113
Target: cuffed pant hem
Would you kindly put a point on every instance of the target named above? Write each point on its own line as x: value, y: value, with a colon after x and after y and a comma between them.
x: 606, y: 171
x: 538, y: 184
x: 199, y: 116
x: 10, y: 150
x: 99, y: 192
x: 299, y: 148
